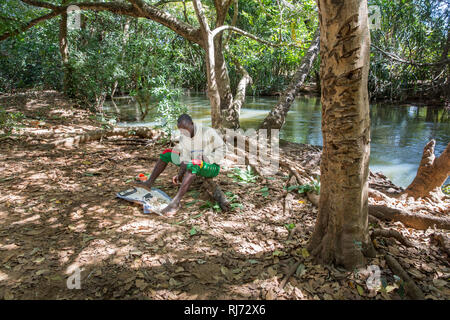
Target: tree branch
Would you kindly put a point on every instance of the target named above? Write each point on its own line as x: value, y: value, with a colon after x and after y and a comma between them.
x: 137, y: 8
x: 218, y: 30
x: 182, y: 28
x: 41, y: 4
x: 163, y: 2
x: 234, y: 21
x: 201, y: 15
x: 400, y: 60
x: 30, y: 24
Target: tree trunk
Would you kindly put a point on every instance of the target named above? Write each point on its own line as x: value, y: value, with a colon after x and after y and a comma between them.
x: 223, y: 83
x: 210, y: 61
x: 229, y: 111
x: 277, y: 116
x: 232, y: 111
x: 64, y: 50
x: 431, y: 174
x: 341, y: 232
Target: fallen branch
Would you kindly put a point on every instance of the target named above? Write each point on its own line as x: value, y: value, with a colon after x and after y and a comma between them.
x: 412, y: 290
x: 100, y: 134
x: 390, y: 233
x: 412, y: 220
x: 374, y: 220
x: 301, y: 175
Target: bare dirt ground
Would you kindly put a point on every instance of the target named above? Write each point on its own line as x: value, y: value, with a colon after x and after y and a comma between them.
x: 58, y: 211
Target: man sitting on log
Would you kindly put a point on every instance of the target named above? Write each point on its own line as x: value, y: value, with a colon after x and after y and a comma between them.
x: 199, y: 152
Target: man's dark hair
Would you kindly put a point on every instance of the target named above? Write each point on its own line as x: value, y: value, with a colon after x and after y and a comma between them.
x: 185, y: 120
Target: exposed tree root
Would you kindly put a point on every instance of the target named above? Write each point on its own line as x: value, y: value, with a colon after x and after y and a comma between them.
x: 289, y: 274
x: 412, y: 220
x: 431, y: 174
x: 442, y: 241
x: 216, y: 193
x: 390, y: 233
x: 412, y: 290
x: 374, y: 220
x: 302, y: 176
x: 313, y: 197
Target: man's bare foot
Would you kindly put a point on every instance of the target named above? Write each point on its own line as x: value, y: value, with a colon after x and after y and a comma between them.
x: 141, y: 184
x: 171, y: 209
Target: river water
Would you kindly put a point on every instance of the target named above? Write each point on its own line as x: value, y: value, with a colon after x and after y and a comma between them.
x: 398, y: 133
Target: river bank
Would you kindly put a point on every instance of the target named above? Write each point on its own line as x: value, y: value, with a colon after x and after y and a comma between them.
x: 398, y: 132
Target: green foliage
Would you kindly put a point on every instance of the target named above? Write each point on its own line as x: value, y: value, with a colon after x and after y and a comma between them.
x: 414, y: 30
x: 233, y: 199
x: 168, y: 108
x: 446, y: 189
x: 31, y: 59
x: 193, y: 231
x: 264, y: 192
x: 272, y: 67
x: 304, y: 188
x: 289, y: 226
x: 243, y: 175
x: 211, y: 205
x: 9, y: 120
x: 150, y: 56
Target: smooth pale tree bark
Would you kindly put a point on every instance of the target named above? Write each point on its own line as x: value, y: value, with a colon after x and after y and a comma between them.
x: 277, y: 116
x: 64, y: 50
x: 341, y: 232
x: 213, y: 90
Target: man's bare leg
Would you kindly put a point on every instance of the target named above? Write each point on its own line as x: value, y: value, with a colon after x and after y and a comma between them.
x: 174, y: 205
x: 157, y: 170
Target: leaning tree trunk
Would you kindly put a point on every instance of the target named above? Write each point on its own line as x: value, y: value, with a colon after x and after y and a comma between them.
x: 431, y: 174
x: 341, y: 232
x: 277, y: 116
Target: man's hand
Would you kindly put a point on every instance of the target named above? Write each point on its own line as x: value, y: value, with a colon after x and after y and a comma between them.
x: 175, y: 180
